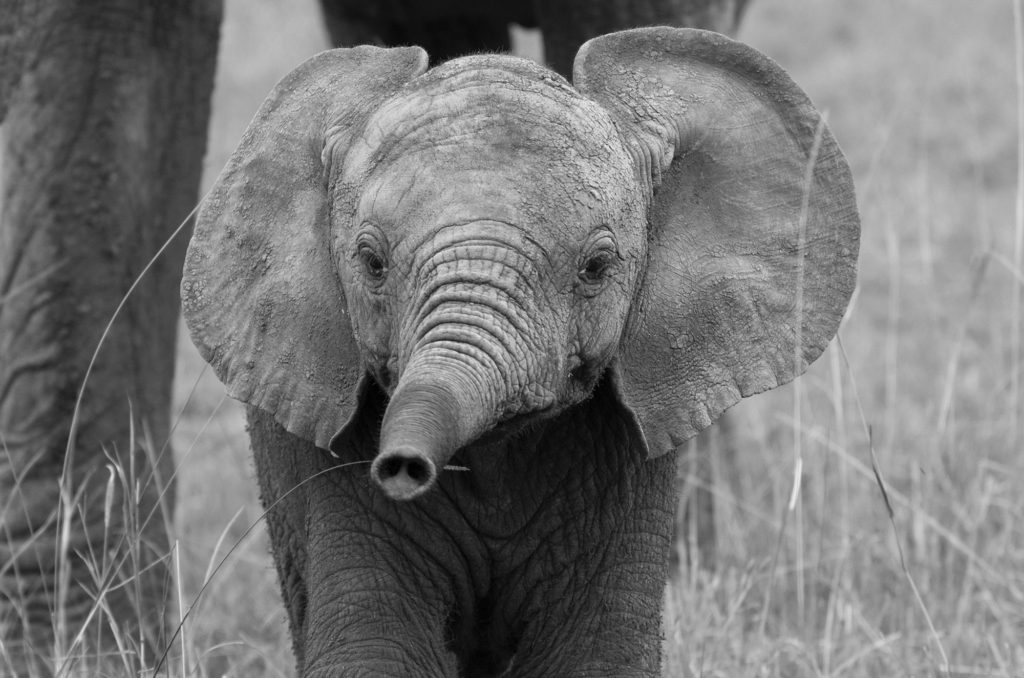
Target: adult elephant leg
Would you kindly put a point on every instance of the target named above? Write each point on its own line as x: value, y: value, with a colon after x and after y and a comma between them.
x: 16, y: 19
x: 102, y: 152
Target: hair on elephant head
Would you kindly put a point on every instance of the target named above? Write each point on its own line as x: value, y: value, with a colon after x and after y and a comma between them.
x: 488, y: 244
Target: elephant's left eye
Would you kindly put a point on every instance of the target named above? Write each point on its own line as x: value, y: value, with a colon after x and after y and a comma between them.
x: 597, y: 267
x: 373, y: 263
x: 599, y: 262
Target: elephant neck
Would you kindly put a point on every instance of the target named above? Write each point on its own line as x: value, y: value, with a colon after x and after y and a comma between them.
x: 586, y: 447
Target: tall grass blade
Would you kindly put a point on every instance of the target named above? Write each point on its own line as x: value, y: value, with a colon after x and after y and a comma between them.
x: 1018, y: 240
x: 953, y: 365
x: 181, y: 606
x: 892, y: 521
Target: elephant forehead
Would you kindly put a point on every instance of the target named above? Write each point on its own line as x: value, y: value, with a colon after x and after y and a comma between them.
x: 489, y: 112
x: 407, y: 195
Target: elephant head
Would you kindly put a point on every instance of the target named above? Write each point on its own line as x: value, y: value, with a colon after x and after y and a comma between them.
x: 486, y: 244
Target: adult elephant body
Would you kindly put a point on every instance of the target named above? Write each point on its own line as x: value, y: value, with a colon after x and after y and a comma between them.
x: 451, y: 28
x: 106, y: 105
x: 475, y: 311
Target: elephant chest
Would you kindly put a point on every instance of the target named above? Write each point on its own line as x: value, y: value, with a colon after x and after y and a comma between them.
x: 522, y: 542
x: 555, y: 550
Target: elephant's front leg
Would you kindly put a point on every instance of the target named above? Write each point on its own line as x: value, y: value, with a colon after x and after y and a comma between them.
x: 368, y: 617
x: 363, y: 599
x: 377, y: 604
x: 594, y: 609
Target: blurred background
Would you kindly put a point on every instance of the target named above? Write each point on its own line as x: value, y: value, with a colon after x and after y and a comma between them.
x: 922, y: 97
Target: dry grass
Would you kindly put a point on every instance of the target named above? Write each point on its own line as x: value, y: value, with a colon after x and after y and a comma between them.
x: 816, y: 576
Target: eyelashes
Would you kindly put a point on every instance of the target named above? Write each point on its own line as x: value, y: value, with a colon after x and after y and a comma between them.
x: 600, y: 261
x: 371, y: 256
x: 373, y: 263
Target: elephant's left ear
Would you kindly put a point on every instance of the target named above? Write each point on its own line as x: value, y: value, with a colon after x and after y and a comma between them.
x: 753, y: 224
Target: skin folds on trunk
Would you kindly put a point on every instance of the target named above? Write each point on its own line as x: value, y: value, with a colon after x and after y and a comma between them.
x: 461, y: 377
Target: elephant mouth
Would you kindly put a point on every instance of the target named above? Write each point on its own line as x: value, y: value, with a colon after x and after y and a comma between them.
x: 583, y: 380
x: 517, y: 424
x: 424, y: 426
x: 426, y: 421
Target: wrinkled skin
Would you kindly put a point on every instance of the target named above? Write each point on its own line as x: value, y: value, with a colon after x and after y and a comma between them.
x: 93, y: 176
x: 475, y: 311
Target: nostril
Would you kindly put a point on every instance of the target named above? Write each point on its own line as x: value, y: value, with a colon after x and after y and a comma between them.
x: 403, y: 476
x: 391, y: 467
x: 417, y: 470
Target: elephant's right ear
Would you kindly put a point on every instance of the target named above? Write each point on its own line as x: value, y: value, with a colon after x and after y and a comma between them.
x: 752, y: 229
x: 261, y: 293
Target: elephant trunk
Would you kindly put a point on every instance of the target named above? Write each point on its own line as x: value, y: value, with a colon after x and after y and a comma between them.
x: 480, y: 352
x: 431, y: 415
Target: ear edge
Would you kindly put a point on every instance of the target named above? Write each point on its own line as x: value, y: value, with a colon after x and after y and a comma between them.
x: 662, y: 429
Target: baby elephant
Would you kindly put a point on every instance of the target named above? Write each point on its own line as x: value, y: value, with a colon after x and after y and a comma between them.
x: 475, y: 309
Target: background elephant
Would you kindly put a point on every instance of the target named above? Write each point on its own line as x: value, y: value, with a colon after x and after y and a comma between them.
x: 106, y: 111
x: 106, y: 106
x: 550, y: 289
x: 450, y: 28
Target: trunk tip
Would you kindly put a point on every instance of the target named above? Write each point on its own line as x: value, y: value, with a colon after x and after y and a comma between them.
x: 403, y: 474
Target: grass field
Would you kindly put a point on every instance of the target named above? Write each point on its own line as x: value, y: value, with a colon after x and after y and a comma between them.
x: 814, y: 577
